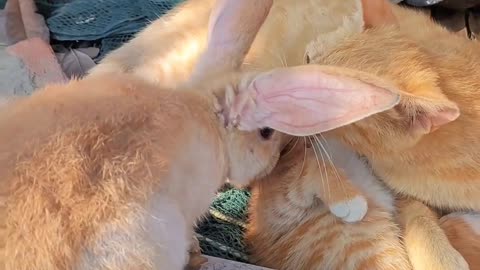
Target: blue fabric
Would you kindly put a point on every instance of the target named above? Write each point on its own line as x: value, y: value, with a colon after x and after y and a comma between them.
x: 112, y: 22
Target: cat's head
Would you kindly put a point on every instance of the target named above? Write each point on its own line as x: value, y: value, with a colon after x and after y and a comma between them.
x: 384, y: 55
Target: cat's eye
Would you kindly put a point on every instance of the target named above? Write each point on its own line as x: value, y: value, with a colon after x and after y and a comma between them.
x: 266, y: 133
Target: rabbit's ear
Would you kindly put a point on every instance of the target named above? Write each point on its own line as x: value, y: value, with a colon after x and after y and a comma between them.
x: 233, y: 26
x: 311, y: 99
x: 377, y: 13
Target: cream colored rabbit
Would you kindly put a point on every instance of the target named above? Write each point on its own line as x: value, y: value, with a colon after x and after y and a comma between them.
x: 166, y: 51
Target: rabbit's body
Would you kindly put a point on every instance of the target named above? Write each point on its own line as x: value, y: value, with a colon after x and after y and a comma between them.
x: 114, y: 173
x: 166, y: 51
x: 289, y: 228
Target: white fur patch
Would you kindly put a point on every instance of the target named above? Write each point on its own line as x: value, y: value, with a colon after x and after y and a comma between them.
x: 168, y: 232
x: 157, y: 236
x: 352, y: 210
x: 360, y: 174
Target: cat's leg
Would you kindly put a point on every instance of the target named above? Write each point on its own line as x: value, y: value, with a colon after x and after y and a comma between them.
x: 427, y: 245
x: 333, y: 188
x: 463, y: 231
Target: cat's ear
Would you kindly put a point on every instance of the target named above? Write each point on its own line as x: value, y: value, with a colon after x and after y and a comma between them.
x: 377, y: 13
x: 311, y: 99
x: 427, y: 114
x: 233, y: 26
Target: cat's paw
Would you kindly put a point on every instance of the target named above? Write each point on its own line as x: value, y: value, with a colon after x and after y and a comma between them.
x: 350, y: 211
x: 458, y: 262
x: 442, y: 257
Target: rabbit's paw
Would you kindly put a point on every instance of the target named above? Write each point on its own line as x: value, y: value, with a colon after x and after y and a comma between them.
x: 352, y: 210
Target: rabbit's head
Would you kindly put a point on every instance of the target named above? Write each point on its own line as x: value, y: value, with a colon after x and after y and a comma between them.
x: 259, y: 109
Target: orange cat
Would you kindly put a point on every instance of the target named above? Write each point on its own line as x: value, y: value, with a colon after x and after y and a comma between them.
x: 427, y: 147
x: 463, y: 231
x: 289, y: 228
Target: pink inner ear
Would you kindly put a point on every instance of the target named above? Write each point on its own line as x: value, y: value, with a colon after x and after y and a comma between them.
x: 377, y: 13
x: 429, y: 122
x: 305, y: 101
x: 233, y: 26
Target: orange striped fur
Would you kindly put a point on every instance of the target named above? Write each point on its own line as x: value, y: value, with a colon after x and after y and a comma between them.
x: 463, y: 231
x: 290, y: 228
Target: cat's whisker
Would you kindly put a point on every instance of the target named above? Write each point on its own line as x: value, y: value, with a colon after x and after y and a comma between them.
x: 323, y: 178
x: 335, y: 171
x: 320, y: 147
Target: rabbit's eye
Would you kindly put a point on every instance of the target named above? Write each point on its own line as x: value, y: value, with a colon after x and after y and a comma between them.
x: 307, y: 59
x: 266, y: 133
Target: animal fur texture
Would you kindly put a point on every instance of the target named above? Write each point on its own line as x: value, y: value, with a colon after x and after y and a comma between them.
x: 419, y: 57
x: 171, y: 63
x: 111, y: 172
x: 166, y: 51
x: 290, y: 228
x: 435, y: 72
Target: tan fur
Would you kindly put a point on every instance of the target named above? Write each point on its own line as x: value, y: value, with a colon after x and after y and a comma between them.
x: 463, y: 231
x: 434, y: 69
x: 166, y: 51
x: 112, y: 172
x: 290, y: 228
x: 426, y: 243
x: 99, y: 151
x: 427, y: 62
x: 420, y: 58
x: 171, y: 63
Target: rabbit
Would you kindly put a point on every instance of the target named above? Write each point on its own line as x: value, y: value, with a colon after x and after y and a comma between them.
x: 167, y: 50
x: 149, y: 56
x: 112, y: 171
